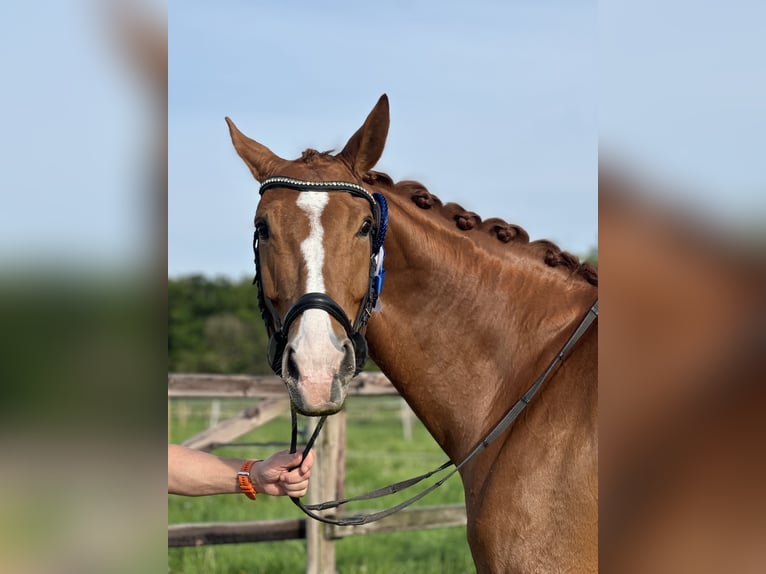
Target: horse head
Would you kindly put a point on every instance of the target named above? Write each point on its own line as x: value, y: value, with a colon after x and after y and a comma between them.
x: 317, y: 238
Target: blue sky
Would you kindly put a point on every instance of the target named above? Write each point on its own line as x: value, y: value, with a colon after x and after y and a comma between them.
x: 501, y: 106
x: 493, y: 105
x: 75, y: 127
x: 682, y: 97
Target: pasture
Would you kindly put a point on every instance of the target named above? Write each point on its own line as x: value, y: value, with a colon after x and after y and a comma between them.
x: 376, y: 454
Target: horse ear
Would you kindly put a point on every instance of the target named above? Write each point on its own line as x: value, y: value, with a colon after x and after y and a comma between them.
x: 365, y: 147
x: 260, y: 159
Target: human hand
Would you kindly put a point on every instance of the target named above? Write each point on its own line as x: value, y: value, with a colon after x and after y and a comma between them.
x: 274, y: 476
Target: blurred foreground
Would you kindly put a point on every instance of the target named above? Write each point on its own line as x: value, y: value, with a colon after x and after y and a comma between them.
x: 681, y: 381
x: 82, y: 287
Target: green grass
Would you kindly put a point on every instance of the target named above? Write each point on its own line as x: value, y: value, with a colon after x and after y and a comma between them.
x: 376, y: 455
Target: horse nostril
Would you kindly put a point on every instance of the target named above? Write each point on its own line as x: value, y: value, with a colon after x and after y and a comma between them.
x: 292, y: 366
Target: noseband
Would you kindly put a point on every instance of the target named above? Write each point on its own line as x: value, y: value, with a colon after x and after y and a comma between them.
x: 277, y: 328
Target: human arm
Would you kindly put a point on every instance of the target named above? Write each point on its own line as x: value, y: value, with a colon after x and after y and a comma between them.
x: 196, y: 473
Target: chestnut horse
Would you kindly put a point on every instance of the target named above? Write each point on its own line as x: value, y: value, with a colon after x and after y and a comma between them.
x: 471, y: 313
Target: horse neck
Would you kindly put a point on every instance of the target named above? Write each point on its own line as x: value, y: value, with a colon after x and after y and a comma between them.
x: 463, y: 331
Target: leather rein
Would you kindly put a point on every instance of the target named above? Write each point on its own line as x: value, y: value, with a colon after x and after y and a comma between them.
x: 359, y: 519
x: 278, y: 331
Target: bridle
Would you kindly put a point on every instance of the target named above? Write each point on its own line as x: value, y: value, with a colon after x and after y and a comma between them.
x: 278, y: 329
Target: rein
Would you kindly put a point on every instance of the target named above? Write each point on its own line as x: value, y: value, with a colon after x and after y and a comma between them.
x: 505, y: 422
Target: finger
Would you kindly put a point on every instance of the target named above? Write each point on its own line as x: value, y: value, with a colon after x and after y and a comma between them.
x: 308, y: 462
x: 297, y: 493
x: 295, y: 485
x: 296, y: 490
x: 288, y: 481
x: 287, y: 460
x: 296, y: 476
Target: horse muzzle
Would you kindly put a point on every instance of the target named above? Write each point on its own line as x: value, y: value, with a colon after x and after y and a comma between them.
x: 314, y: 362
x: 317, y: 376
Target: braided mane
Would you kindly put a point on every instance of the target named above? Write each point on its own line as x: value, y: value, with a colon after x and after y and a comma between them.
x: 496, y: 227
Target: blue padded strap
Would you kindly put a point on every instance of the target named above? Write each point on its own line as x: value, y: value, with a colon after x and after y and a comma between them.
x: 381, y: 236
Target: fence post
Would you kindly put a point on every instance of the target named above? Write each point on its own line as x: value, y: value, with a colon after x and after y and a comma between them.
x: 325, y: 485
x: 407, y: 418
x: 215, y: 412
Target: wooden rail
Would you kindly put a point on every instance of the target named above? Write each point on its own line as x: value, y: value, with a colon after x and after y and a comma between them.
x: 187, y: 385
x: 204, y: 533
x: 236, y: 426
x: 419, y: 518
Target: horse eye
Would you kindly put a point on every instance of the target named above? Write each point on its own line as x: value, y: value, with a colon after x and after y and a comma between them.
x: 262, y: 229
x: 364, y: 231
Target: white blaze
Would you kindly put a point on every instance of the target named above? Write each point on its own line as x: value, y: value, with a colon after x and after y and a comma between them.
x: 317, y: 350
x: 313, y: 203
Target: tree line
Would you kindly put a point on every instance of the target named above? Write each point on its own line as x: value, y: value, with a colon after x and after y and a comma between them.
x: 214, y: 326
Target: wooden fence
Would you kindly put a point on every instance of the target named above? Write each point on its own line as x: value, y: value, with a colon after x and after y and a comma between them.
x: 327, y: 474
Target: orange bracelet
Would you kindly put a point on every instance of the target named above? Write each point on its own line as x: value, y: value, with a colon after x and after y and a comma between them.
x: 243, y: 476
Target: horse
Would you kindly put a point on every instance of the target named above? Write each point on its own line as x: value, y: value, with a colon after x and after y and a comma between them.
x: 470, y: 313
